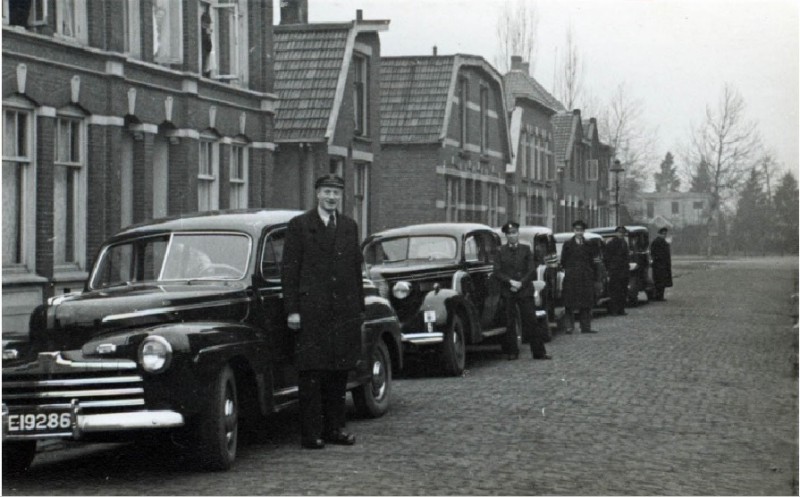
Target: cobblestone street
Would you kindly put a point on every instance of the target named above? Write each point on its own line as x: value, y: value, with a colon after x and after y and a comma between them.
x: 695, y: 395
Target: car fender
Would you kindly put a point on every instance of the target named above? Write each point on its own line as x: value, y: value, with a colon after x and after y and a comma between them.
x: 447, y: 303
x: 381, y: 324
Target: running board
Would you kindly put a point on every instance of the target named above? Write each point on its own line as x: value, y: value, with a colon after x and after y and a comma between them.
x: 493, y: 332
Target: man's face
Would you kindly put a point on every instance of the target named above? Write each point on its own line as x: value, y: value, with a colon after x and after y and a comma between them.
x: 512, y: 236
x: 329, y: 198
x: 578, y: 231
x: 620, y: 234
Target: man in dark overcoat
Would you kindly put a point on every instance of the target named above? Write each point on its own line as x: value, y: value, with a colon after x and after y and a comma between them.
x: 662, y: 263
x: 617, y: 259
x: 515, y: 268
x: 324, y: 302
x: 580, y: 273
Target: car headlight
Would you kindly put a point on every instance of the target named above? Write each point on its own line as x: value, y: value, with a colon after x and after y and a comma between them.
x: 155, y: 354
x: 401, y: 289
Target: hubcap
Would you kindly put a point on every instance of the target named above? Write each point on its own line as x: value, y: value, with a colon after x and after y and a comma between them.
x: 230, y: 419
x: 378, y: 380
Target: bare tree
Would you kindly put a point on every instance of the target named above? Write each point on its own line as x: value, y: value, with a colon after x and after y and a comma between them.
x: 517, y: 29
x: 569, y: 76
x: 622, y: 125
x: 726, y: 141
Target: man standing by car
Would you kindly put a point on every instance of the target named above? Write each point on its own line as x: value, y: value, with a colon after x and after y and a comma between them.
x: 515, y: 267
x: 662, y: 263
x: 580, y: 273
x: 324, y: 302
x: 617, y: 259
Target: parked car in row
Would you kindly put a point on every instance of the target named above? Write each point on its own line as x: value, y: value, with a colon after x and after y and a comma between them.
x: 438, y: 278
x: 641, y: 278
x: 180, y: 329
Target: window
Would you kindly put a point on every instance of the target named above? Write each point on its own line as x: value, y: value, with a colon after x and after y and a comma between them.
x: 361, y: 189
x: 360, y: 95
x: 463, y: 99
x: 24, y: 12
x: 238, y: 176
x: 272, y: 256
x: 69, y: 199
x: 208, y: 172
x: 167, y: 32
x: 18, y: 189
x: 551, y: 163
x: 484, y: 119
x: 494, y: 196
x: 71, y: 19
x: 697, y: 205
x: 521, y: 160
x: 222, y: 29
x: 453, y: 195
x: 530, y: 157
x: 591, y: 168
x: 675, y: 207
x: 651, y: 210
x: 133, y: 28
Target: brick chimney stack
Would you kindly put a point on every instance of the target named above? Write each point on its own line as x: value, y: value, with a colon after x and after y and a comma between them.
x: 359, y: 15
x: 435, y: 51
x: 526, y: 67
x: 294, y: 12
x: 516, y: 63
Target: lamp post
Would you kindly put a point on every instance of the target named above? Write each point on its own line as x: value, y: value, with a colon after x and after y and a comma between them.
x: 617, y: 170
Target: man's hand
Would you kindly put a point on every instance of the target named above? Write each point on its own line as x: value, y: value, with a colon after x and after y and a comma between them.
x: 515, y: 285
x: 293, y: 321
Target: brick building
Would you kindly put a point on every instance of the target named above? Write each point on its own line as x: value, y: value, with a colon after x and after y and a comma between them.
x: 532, y: 174
x: 115, y: 112
x: 327, y: 78
x: 445, y: 141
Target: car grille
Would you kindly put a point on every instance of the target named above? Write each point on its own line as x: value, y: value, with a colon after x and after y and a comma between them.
x: 96, y: 392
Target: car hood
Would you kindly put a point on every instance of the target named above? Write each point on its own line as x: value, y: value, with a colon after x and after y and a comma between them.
x: 411, y: 268
x: 69, y: 321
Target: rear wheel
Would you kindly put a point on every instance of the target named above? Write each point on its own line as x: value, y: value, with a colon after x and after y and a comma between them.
x: 454, y: 349
x: 372, y: 398
x: 18, y: 456
x: 217, y: 434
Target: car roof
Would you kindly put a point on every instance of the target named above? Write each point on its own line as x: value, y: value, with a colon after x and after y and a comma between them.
x: 605, y: 230
x: 248, y: 220
x: 528, y: 231
x: 452, y: 229
x: 563, y: 237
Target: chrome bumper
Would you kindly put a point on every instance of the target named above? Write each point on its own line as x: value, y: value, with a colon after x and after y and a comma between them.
x: 426, y: 338
x: 103, y: 423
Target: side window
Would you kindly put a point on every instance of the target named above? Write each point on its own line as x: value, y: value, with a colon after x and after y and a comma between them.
x: 272, y: 255
x: 471, y: 249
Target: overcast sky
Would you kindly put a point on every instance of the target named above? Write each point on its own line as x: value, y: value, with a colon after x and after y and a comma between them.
x: 673, y: 55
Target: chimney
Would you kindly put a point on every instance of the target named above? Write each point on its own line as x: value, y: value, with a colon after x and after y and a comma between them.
x: 435, y: 51
x: 526, y: 67
x: 516, y: 62
x: 294, y: 12
x: 359, y: 15
x: 576, y: 112
x: 593, y: 120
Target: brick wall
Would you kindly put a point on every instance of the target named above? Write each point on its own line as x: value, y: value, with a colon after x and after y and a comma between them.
x: 410, y: 186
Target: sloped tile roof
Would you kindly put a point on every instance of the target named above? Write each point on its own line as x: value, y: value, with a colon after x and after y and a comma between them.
x: 414, y: 93
x: 562, y: 134
x: 519, y: 84
x: 308, y: 61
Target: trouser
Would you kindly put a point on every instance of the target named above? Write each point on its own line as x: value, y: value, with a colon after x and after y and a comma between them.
x: 531, y: 328
x: 584, y: 314
x: 617, y: 292
x: 659, y: 292
x: 322, y: 402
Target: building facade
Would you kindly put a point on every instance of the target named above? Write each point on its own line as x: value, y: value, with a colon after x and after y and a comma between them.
x: 115, y: 112
x: 327, y: 77
x: 674, y: 209
x: 445, y: 141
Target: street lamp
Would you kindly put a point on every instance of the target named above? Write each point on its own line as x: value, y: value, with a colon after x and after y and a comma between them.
x: 617, y: 170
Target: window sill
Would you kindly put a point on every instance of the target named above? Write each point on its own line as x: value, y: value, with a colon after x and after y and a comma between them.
x: 362, y: 139
x: 70, y: 276
x: 19, y: 276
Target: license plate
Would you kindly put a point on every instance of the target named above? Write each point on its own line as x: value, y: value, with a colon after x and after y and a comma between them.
x: 42, y: 421
x: 430, y: 316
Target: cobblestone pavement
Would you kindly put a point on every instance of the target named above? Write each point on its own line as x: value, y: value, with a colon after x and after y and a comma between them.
x: 695, y: 395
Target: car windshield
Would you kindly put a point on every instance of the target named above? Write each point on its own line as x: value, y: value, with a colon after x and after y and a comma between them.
x: 171, y: 257
x: 414, y: 247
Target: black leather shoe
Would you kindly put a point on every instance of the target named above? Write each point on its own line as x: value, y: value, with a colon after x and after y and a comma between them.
x: 339, y: 437
x: 589, y: 331
x: 315, y: 443
x: 545, y: 357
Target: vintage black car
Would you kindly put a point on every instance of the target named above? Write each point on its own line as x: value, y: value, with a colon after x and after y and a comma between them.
x: 543, y: 244
x: 438, y: 278
x: 601, y: 296
x: 641, y: 279
x: 180, y: 329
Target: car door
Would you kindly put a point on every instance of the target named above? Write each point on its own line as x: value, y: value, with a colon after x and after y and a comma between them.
x: 270, y: 294
x: 480, y: 249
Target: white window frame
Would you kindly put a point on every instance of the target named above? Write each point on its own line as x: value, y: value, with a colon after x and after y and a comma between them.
x: 463, y: 101
x: 26, y: 203
x: 173, y: 26
x: 361, y: 94
x: 208, y: 174
x: 78, y: 167
x: 230, y: 51
x: 452, y: 198
x: 133, y: 28
x: 71, y: 20
x: 238, y: 176
x: 523, y: 152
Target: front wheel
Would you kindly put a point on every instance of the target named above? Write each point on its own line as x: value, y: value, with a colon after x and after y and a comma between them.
x: 454, y: 349
x: 217, y: 434
x: 18, y: 456
x: 373, y: 397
